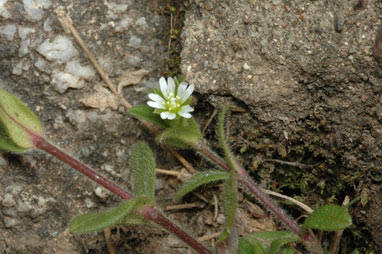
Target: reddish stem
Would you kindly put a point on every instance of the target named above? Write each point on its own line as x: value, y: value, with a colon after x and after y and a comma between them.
x: 244, y: 178
x: 150, y: 213
x: 42, y: 144
x: 156, y: 216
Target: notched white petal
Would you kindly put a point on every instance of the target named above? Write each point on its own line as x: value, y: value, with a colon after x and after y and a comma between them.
x: 170, y: 85
x: 163, y: 86
x: 164, y: 115
x: 182, y: 91
x: 189, y: 91
x: 184, y: 114
x: 187, y: 108
x: 156, y: 97
x: 155, y: 104
x: 171, y: 116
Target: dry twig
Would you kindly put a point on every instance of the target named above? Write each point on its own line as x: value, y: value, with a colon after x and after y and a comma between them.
x: 67, y: 25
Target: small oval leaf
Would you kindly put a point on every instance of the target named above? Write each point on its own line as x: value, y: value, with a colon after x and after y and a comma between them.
x: 143, y: 167
x: 147, y: 113
x: 328, y: 218
x: 229, y: 199
x: 91, y: 222
x: 181, y: 135
x: 18, y: 124
x: 271, y: 241
x: 245, y: 247
x: 199, y: 179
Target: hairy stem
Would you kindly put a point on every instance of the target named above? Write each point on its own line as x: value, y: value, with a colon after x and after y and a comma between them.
x: 150, y: 213
x: 244, y: 178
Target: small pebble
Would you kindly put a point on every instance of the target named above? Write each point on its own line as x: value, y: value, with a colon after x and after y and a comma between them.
x: 101, y: 193
x: 10, y: 222
x: 61, y: 49
x: 220, y: 219
x: 338, y: 24
x: 142, y: 23
x: 8, y: 32
x: 24, y: 31
x: 34, y: 8
x: 135, y: 42
x: 3, y: 11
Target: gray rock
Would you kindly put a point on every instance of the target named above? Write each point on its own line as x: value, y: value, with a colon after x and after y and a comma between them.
x: 34, y: 8
x: 135, y: 41
x: 61, y: 49
x: 8, y: 31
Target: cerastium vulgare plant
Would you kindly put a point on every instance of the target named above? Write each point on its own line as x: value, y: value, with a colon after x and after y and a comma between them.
x: 169, y: 110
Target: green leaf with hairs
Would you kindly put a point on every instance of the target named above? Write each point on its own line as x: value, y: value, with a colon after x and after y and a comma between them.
x: 143, y: 167
x: 181, y: 135
x: 246, y: 247
x: 221, y: 239
x: 270, y: 241
x: 199, y: 179
x: 147, y: 113
x: 229, y: 199
x: 328, y: 218
x: 287, y: 250
x: 92, y: 222
x: 123, y: 214
x: 133, y: 219
x: 223, y: 143
x: 18, y: 124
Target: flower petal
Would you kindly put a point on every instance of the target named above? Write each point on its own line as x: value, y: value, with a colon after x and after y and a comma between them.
x: 184, y: 114
x: 182, y: 91
x: 156, y: 97
x: 186, y: 108
x: 167, y: 115
x: 164, y: 115
x: 163, y: 87
x: 155, y: 104
x: 188, y: 92
x: 171, y: 116
x: 170, y: 85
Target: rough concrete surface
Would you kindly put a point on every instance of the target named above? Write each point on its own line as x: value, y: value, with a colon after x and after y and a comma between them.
x: 43, y: 65
x: 305, y: 69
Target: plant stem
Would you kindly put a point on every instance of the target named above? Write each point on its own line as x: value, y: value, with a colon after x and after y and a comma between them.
x: 158, y: 217
x: 244, y: 178
x: 150, y: 213
x: 44, y: 145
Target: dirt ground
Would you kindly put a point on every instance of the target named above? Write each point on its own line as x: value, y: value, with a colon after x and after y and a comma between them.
x: 304, y: 78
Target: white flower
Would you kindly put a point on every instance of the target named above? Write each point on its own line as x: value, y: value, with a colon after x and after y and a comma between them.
x: 172, y: 100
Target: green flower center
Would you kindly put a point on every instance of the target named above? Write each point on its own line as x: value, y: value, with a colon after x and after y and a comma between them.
x: 173, y: 103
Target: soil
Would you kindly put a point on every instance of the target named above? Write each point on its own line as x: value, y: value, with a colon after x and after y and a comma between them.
x: 304, y: 78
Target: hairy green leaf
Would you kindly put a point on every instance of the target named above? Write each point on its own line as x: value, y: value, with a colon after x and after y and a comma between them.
x: 147, y: 113
x: 199, y: 179
x: 123, y: 214
x: 228, y: 241
x: 17, y: 123
x: 222, y: 237
x: 246, y: 247
x: 91, y: 222
x: 223, y: 143
x: 182, y: 135
x: 287, y: 250
x: 133, y: 219
x: 229, y: 198
x: 143, y: 167
x: 270, y: 241
x: 328, y: 218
